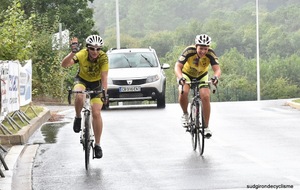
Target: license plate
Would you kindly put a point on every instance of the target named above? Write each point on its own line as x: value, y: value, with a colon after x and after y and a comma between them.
x: 130, y: 89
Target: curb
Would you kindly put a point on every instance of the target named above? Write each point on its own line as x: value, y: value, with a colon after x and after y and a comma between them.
x: 18, y: 150
x: 294, y: 104
x: 11, y: 159
x: 24, y: 134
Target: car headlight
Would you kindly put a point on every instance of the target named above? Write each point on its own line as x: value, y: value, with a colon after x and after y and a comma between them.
x: 152, y: 78
x: 109, y: 81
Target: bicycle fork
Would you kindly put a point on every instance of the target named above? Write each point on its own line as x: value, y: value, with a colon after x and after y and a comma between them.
x: 83, y: 129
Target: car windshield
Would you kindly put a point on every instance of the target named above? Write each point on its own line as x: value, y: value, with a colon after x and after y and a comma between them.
x: 132, y: 60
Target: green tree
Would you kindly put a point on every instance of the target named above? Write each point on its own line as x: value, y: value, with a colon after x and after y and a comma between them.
x: 16, y: 34
x: 279, y: 88
x: 238, y: 81
x: 4, y: 4
x: 172, y: 86
x: 162, y: 42
x: 75, y: 15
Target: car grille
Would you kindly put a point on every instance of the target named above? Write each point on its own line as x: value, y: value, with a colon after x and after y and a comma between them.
x: 134, y: 82
x: 130, y: 95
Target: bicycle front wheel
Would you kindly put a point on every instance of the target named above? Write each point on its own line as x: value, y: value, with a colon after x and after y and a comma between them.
x: 200, y: 130
x: 87, y: 144
x: 193, y: 125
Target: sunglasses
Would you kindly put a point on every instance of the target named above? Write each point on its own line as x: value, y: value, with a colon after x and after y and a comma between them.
x: 94, y: 49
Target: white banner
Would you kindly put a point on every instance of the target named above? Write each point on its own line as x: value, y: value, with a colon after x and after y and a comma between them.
x: 13, y: 86
x: 4, y: 89
x: 25, y: 77
x: 9, y: 87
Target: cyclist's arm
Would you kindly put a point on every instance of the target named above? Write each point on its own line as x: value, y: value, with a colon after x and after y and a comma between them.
x: 178, y: 69
x: 217, y: 70
x: 68, y: 60
x: 104, y: 79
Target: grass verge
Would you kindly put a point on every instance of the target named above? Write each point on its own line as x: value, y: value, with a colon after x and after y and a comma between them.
x: 28, y: 111
x: 297, y: 100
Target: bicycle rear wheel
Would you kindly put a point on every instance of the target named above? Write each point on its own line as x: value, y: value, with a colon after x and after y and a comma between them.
x: 200, y: 130
x: 87, y: 144
x: 193, y: 125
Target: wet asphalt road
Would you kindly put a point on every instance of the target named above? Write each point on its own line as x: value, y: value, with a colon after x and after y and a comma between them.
x: 253, y: 143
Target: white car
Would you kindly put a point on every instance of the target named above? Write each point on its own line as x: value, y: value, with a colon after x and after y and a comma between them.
x: 136, y: 75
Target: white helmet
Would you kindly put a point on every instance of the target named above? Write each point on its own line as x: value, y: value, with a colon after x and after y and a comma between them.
x: 203, y: 40
x: 94, y: 40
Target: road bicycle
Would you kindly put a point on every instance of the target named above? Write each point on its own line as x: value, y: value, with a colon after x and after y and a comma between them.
x: 196, y: 123
x: 87, y: 134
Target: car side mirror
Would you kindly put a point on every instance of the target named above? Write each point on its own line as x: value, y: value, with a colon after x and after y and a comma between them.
x: 165, y: 66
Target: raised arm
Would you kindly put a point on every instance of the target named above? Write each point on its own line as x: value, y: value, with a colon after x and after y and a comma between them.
x: 75, y: 47
x: 68, y: 60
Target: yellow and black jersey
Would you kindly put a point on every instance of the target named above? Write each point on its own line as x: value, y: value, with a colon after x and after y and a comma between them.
x: 194, y: 66
x: 91, y: 71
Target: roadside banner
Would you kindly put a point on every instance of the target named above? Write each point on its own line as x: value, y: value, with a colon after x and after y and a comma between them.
x: 13, y: 86
x: 25, y: 77
x: 4, y: 89
x: 9, y: 87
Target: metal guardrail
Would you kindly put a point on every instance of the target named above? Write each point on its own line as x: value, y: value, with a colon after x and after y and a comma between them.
x: 3, y: 162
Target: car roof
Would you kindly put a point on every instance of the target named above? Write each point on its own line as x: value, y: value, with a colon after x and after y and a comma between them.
x: 135, y: 50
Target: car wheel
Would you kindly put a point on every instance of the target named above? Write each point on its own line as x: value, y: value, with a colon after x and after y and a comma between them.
x: 161, y: 100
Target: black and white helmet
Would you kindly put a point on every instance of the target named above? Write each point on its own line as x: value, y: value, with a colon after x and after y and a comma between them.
x: 94, y: 40
x: 203, y: 40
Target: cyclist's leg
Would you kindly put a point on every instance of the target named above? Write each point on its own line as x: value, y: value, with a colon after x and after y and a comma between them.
x: 97, y: 104
x: 79, y: 98
x: 205, y: 99
x: 78, y: 85
x: 183, y: 97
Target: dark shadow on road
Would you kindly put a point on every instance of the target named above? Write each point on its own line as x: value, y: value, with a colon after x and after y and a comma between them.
x: 133, y: 107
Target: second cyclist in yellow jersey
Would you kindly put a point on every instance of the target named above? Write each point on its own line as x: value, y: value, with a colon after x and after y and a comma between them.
x: 194, y: 63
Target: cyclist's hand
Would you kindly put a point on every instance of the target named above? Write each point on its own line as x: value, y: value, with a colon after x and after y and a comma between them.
x: 215, y: 80
x: 104, y: 97
x: 181, y: 81
x: 75, y: 46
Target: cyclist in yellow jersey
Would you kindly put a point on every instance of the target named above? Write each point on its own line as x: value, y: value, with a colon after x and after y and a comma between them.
x: 92, y: 75
x: 194, y: 63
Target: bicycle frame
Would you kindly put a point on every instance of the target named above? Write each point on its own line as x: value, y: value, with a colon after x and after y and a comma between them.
x: 87, y: 120
x: 87, y: 137
x: 196, y: 120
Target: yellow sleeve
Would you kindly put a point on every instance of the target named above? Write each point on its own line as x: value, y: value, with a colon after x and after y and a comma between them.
x: 104, y: 61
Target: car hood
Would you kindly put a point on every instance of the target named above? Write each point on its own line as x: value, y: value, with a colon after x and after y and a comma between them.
x: 133, y: 73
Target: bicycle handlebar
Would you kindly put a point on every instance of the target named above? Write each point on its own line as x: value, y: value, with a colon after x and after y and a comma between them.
x: 103, y: 92
x: 196, y: 82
